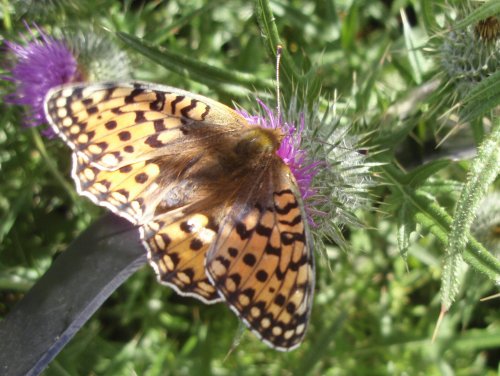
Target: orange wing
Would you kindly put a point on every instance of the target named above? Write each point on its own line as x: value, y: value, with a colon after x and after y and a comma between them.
x: 262, y: 264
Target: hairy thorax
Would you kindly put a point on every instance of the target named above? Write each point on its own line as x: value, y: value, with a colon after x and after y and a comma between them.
x: 250, y: 147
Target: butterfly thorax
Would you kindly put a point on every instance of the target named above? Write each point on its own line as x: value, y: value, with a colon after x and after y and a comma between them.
x: 256, y: 142
x: 248, y: 149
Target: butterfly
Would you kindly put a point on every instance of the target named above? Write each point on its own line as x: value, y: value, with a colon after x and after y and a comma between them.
x: 219, y: 212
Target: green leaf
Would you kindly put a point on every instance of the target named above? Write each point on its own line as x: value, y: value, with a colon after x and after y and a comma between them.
x: 434, y: 218
x: 475, y: 339
x: 484, y: 169
x: 164, y: 33
x: 293, y: 81
x: 419, y: 175
x: 489, y: 8
x: 428, y: 15
x: 414, y: 55
x: 321, y: 346
x: 196, y: 69
x: 406, y: 225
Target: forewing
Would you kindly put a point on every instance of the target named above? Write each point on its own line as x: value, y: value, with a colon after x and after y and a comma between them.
x: 115, y: 124
x: 262, y: 264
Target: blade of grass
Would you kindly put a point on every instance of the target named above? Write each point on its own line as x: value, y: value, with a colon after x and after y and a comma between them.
x: 188, y: 67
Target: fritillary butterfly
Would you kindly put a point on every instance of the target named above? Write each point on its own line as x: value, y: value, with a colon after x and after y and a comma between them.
x: 219, y: 212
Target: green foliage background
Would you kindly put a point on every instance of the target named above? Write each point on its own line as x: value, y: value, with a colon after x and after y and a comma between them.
x: 376, y: 305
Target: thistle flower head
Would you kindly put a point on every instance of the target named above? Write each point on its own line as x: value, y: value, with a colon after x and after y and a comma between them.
x: 289, y: 151
x: 41, y: 63
x: 467, y: 53
x: 468, y: 60
x: 470, y: 54
x: 488, y: 29
x: 332, y: 176
x: 99, y: 58
x: 44, y: 62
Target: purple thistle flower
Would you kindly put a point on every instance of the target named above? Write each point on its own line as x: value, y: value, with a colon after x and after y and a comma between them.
x: 41, y: 64
x: 290, y: 152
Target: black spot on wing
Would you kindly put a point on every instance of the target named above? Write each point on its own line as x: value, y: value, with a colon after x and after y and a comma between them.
x: 159, y: 103
x: 242, y: 231
x: 110, y: 125
x: 87, y: 101
x: 131, y: 97
x: 139, y: 117
x: 285, y: 210
x: 249, y: 259
x: 288, y: 238
x: 205, y: 113
x: 173, y: 104
x: 159, y: 125
x: 293, y: 222
x: 263, y: 230
x: 187, y: 109
x: 92, y: 110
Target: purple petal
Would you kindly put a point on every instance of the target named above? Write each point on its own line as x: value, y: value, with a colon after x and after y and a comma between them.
x: 290, y: 152
x: 40, y: 65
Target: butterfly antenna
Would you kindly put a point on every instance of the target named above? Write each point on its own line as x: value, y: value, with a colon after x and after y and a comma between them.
x: 279, y: 49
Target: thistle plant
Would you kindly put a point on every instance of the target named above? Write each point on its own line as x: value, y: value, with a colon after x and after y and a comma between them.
x: 469, y: 54
x: 39, y: 65
x: 325, y: 156
x: 41, y: 62
x: 99, y: 57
